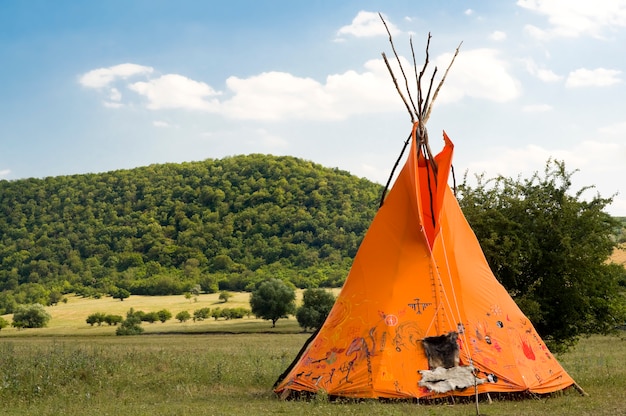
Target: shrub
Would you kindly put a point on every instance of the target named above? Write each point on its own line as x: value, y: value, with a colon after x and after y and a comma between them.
x: 54, y: 297
x: 208, y: 283
x: 3, y: 323
x: 113, y: 319
x: 195, y: 290
x: 139, y: 314
x: 96, y: 318
x: 201, y: 314
x: 225, y: 295
x: 150, y: 317
x: 131, y: 325
x: 120, y: 294
x: 235, y: 313
x: 183, y: 316
x: 30, y: 316
x: 164, y: 315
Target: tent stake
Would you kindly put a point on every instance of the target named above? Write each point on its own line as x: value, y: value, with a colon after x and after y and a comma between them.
x: 476, y: 393
x: 580, y: 390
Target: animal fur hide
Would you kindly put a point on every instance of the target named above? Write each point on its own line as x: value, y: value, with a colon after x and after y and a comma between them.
x: 442, y: 380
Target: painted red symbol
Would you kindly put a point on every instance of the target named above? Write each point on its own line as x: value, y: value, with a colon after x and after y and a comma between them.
x: 391, y: 320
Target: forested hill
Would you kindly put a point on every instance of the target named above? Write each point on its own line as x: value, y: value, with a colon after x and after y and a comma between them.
x: 162, y: 229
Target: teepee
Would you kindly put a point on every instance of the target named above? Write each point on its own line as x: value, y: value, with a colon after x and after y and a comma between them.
x: 421, y: 315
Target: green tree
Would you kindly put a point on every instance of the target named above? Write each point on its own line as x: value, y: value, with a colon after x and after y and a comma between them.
x: 3, y: 323
x: 208, y: 283
x: 274, y: 299
x: 113, y: 320
x: 164, y: 315
x: 225, y: 295
x: 131, y: 325
x: 54, y: 297
x: 150, y: 317
x: 121, y: 294
x: 201, y: 314
x: 316, y: 305
x: 30, y: 316
x: 96, y: 318
x: 8, y: 303
x: 195, y: 290
x: 548, y: 246
x: 183, y: 316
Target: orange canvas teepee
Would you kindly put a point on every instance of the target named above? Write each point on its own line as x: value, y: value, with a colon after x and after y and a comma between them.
x: 421, y: 315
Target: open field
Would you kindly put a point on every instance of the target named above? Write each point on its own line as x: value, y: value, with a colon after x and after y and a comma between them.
x: 72, y: 368
x: 69, y: 318
x: 619, y: 255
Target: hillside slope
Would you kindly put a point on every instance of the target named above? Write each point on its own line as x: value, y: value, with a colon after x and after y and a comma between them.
x: 161, y: 229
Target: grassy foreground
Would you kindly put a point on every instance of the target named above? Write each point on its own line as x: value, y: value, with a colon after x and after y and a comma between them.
x: 89, y: 371
x: 232, y: 374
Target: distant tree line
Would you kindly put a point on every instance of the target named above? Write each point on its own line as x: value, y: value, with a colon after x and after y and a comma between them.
x: 131, y: 325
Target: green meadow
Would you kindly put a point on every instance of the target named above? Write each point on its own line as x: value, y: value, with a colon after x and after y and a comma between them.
x: 228, y: 368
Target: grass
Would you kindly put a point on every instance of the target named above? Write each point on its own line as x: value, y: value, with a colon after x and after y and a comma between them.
x: 74, y: 369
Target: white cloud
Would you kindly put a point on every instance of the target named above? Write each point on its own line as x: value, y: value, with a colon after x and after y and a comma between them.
x: 478, y: 73
x: 543, y: 74
x: 574, y: 18
x: 176, y: 91
x: 112, y: 104
x: 547, y: 75
x: 511, y: 161
x: 615, y: 130
x: 599, y: 77
x: 161, y: 124
x: 590, y: 156
x: 102, y: 77
x: 598, y: 160
x: 535, y: 32
x: 537, y: 108
x: 370, y: 91
x: 368, y: 24
x: 598, y: 163
x: 255, y: 140
x: 5, y: 172
x: 115, y: 98
x: 268, y: 140
x: 497, y: 35
x: 469, y: 12
x: 274, y: 96
x: 115, y: 95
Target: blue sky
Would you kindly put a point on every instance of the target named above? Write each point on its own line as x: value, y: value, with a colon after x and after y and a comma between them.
x: 90, y: 86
